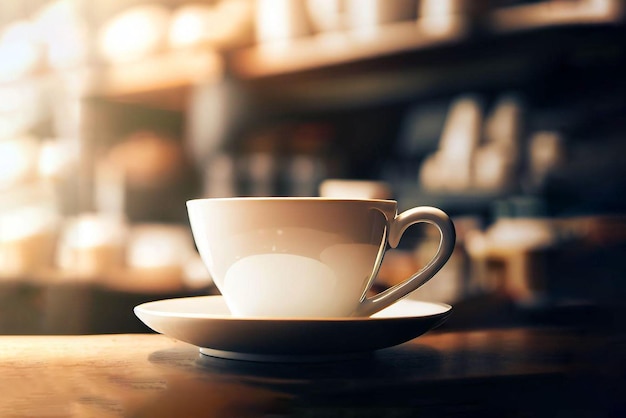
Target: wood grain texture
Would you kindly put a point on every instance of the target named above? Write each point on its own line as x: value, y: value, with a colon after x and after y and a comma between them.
x: 440, y: 373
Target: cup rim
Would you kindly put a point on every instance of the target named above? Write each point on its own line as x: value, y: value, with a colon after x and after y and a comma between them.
x: 290, y: 199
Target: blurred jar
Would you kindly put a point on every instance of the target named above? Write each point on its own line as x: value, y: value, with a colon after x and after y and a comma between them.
x: 92, y: 246
x: 304, y: 174
x: 220, y: 176
x: 513, y: 248
x: 440, y: 17
x: 362, y: 17
x: 156, y: 258
x: 366, y: 16
x: 27, y: 239
x: 355, y: 189
x: 279, y: 21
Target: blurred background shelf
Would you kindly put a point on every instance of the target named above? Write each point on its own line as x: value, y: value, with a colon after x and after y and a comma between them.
x: 407, y: 44
x: 337, y: 48
x: 294, y: 78
x: 289, y: 99
x: 343, y: 48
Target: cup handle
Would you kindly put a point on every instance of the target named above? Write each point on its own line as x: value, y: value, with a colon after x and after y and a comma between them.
x: 397, y: 226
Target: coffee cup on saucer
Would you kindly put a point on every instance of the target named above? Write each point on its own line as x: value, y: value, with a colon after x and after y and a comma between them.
x: 308, y: 257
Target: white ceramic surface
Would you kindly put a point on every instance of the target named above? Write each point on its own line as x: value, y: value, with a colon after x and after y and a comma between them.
x: 206, y: 322
x: 307, y: 257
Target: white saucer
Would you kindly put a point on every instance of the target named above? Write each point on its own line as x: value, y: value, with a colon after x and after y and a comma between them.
x: 206, y: 322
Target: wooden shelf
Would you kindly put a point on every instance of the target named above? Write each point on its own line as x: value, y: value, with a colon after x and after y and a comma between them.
x: 340, y: 48
x: 157, y: 80
x: 557, y: 13
x: 163, y: 79
x: 337, y: 48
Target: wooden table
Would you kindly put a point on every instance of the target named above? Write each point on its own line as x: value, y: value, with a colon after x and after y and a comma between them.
x: 507, y: 372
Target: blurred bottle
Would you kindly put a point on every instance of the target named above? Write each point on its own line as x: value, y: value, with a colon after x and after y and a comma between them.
x: 355, y: 189
x: 546, y: 153
x: 304, y: 173
x: 220, y: 177
x: 497, y: 160
x: 258, y: 172
x: 450, y: 167
x: 443, y: 17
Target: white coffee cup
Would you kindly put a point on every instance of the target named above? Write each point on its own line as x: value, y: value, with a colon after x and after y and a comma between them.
x: 307, y: 257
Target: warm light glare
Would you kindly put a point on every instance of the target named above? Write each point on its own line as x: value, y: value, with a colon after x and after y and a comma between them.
x: 159, y: 246
x: 67, y: 49
x: 275, y: 20
x: 134, y: 33
x: 52, y: 159
x: 25, y: 222
x: 59, y: 27
x: 17, y: 158
x: 90, y: 231
x: 19, y: 54
x: 438, y: 8
x: 189, y: 28
x: 51, y: 17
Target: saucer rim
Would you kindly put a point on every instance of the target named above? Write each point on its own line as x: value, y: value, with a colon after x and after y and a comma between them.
x: 291, y: 339
x: 144, y: 307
